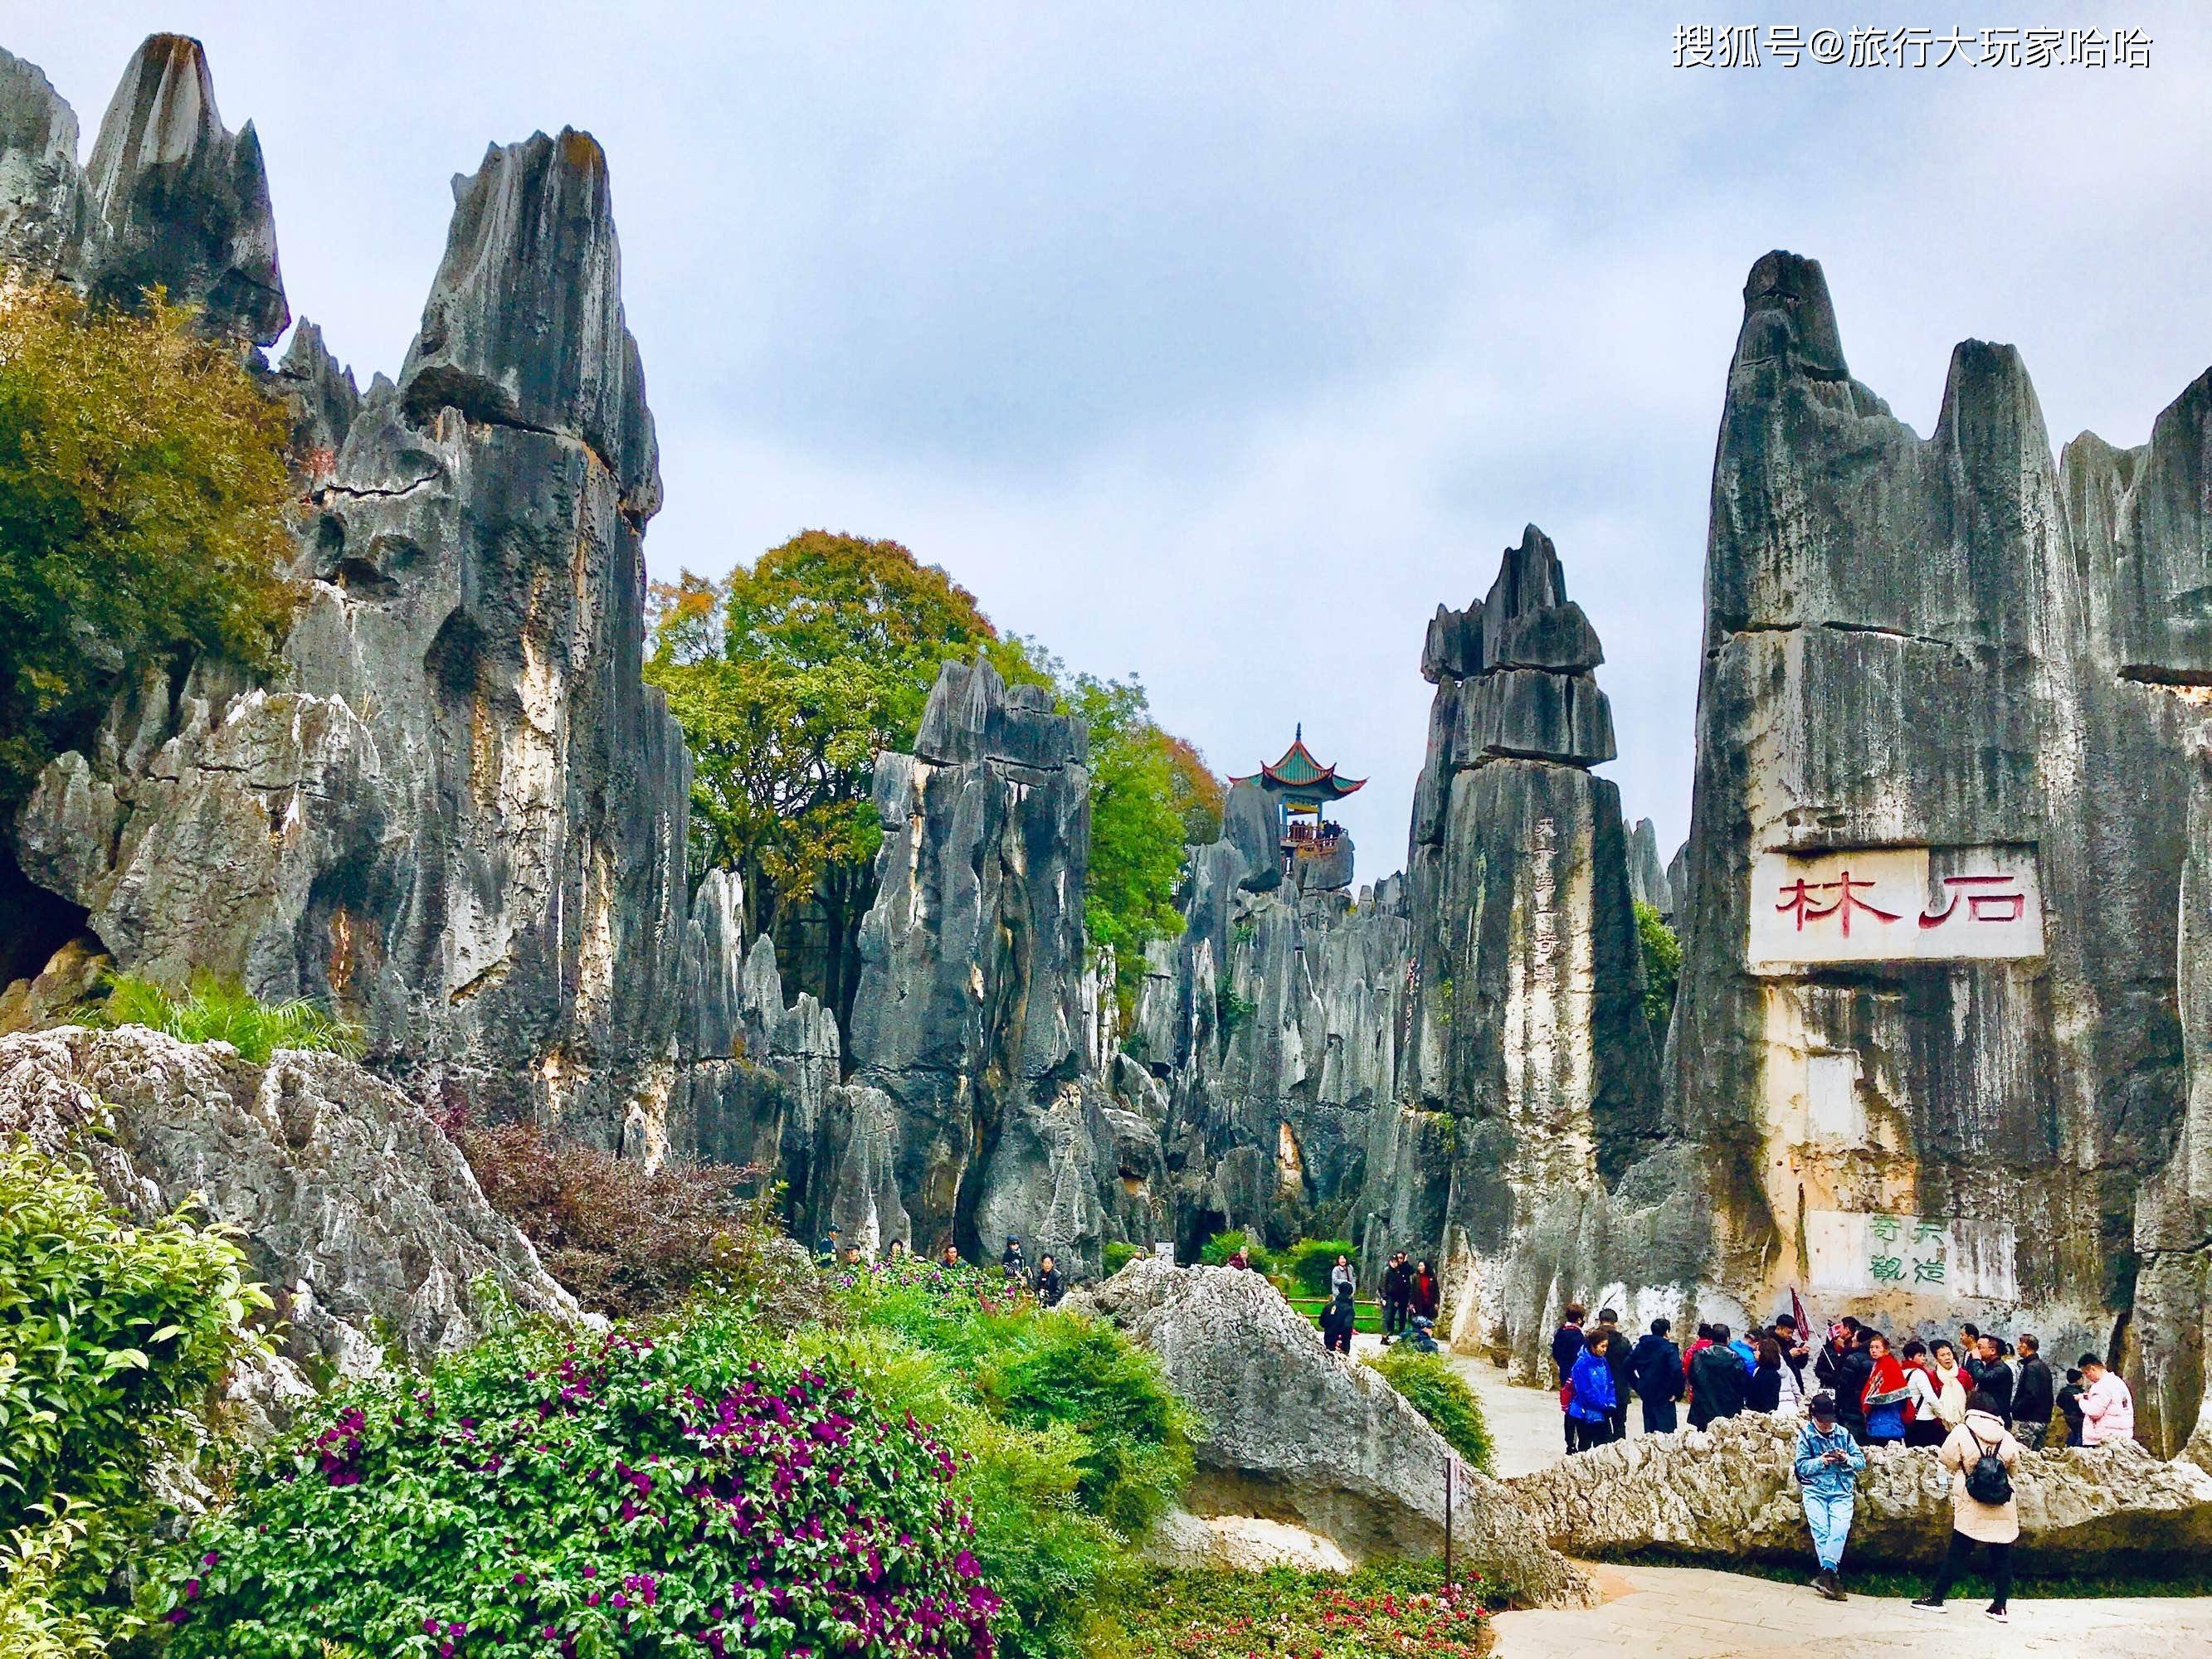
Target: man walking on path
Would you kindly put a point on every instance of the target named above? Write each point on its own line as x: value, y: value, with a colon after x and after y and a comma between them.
x: 2035, y: 1395
x: 2108, y: 1410
x: 1828, y: 1462
x: 1657, y: 1367
x: 1980, y: 1455
x: 1397, y: 1294
x: 1566, y: 1348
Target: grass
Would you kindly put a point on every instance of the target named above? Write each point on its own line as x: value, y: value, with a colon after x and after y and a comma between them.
x: 2193, y: 1579
x: 223, y: 1011
x: 1367, y: 1317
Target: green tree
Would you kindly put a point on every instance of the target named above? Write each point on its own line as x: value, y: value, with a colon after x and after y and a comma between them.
x: 143, y: 496
x: 1662, y: 970
x: 1138, y: 802
x: 787, y: 678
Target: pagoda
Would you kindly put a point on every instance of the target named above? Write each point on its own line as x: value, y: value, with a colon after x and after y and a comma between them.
x: 1302, y: 789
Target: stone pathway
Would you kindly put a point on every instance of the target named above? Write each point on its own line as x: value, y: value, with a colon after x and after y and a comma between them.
x: 1694, y: 1613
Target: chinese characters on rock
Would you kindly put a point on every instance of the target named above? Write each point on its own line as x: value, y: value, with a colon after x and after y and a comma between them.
x: 1893, y: 904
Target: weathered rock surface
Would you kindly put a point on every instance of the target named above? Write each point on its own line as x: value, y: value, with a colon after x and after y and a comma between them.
x: 1646, y: 877
x: 1728, y: 1493
x: 1968, y: 670
x: 361, y: 1217
x: 1529, y: 1084
x: 169, y: 198
x: 1291, y: 1432
x: 970, y: 1026
x: 461, y: 819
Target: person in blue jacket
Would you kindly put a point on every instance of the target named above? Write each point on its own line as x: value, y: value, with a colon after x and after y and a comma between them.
x: 1828, y: 1462
x: 1592, y: 1396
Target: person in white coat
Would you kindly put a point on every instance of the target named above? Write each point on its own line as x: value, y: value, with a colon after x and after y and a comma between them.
x: 1981, y: 1455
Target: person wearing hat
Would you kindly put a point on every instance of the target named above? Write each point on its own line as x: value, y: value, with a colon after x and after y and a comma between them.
x: 1422, y: 1339
x: 1010, y: 1260
x: 1828, y: 1462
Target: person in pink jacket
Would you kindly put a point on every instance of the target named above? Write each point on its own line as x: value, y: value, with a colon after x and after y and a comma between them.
x: 2108, y: 1410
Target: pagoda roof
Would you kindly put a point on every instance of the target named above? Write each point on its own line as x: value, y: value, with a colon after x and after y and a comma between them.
x: 1298, y: 772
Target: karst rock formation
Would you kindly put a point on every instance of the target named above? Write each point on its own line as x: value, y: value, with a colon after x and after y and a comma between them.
x: 1939, y: 1049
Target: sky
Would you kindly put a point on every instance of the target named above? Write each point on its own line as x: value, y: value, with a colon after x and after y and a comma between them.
x: 1218, y: 343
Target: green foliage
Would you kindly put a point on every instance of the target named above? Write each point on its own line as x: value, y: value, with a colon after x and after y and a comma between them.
x: 1217, y: 1250
x: 1308, y: 1262
x: 1433, y: 1388
x: 1070, y: 1444
x: 1231, y: 1013
x: 221, y: 1010
x: 36, y: 1619
x: 1116, y: 1255
x: 1393, y: 1608
x: 657, y: 1489
x: 107, y: 1328
x: 787, y: 677
x: 143, y: 499
x: 1138, y: 799
x: 1662, y: 970
x: 628, y: 1240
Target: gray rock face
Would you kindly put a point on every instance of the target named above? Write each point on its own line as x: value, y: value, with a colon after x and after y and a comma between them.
x: 181, y: 201
x: 1272, y: 1032
x: 970, y: 1019
x: 170, y: 198
x: 43, y: 213
x: 1646, y: 877
x: 1727, y: 1493
x: 1966, y: 672
x: 363, y: 1220
x: 1291, y: 1432
x: 1529, y: 1084
x: 461, y: 820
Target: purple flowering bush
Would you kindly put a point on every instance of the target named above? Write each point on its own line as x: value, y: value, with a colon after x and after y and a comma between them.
x: 692, y: 1488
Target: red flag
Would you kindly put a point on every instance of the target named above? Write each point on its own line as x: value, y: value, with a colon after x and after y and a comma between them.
x: 1797, y: 1312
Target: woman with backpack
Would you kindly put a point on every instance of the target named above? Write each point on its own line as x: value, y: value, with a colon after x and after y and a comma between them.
x: 1980, y: 1454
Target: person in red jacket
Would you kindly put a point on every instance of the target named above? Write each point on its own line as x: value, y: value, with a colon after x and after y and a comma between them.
x: 1425, y: 1291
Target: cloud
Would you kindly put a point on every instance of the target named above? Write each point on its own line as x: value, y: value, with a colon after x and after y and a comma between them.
x: 1221, y: 344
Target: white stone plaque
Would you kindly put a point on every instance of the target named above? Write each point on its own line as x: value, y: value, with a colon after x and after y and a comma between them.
x: 1921, y: 1255
x: 1894, y: 904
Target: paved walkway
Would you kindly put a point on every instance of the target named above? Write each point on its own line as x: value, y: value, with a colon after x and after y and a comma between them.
x: 1694, y: 1613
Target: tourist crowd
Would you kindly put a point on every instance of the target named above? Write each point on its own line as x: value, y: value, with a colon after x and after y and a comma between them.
x: 1977, y: 1403
x: 1047, y: 1282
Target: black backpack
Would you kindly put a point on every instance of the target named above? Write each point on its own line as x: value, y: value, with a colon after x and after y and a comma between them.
x: 1988, y: 1482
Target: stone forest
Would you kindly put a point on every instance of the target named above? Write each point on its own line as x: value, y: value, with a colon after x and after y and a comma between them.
x: 1940, y: 1050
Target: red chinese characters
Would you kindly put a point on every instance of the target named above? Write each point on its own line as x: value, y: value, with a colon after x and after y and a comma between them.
x: 1799, y: 904
x: 1983, y: 903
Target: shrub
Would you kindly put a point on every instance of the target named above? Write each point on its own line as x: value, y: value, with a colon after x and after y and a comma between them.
x: 1217, y: 1249
x: 1117, y: 1255
x: 107, y: 1328
x: 222, y: 1011
x: 34, y: 1621
x: 1076, y: 1445
x: 142, y: 503
x: 1399, y: 1608
x: 1089, y: 1377
x: 628, y: 1240
x: 1662, y: 970
x: 1231, y: 1013
x: 689, y: 1487
x: 1308, y: 1262
x: 1441, y: 1395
